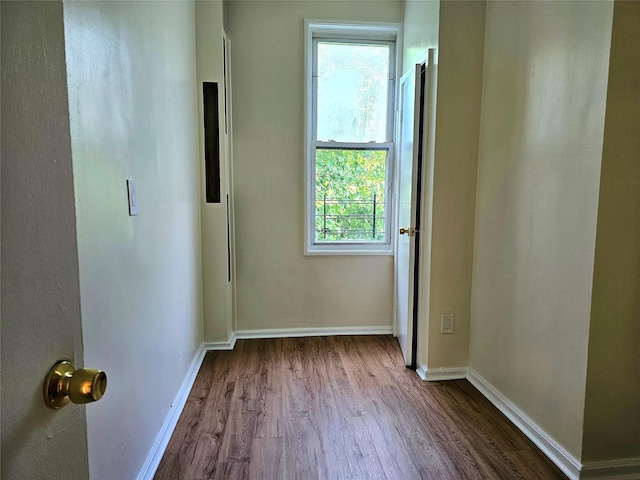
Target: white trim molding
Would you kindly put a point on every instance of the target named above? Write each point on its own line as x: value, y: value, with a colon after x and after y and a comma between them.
x: 150, y: 466
x: 312, y: 332
x: 159, y: 446
x: 570, y: 466
x: 438, y: 374
x: 627, y: 469
x: 228, y: 345
x: 378, y: 33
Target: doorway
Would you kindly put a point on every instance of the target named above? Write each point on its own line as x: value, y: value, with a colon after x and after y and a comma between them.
x: 412, y: 144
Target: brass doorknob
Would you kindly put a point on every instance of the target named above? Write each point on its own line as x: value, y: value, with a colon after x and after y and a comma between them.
x: 64, y: 383
x: 407, y: 231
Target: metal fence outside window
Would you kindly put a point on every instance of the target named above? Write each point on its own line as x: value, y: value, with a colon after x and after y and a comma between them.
x: 347, y: 219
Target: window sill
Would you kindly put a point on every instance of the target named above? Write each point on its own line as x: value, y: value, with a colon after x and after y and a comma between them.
x: 314, y: 250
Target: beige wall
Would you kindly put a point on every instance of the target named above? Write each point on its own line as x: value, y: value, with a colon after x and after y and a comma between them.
x: 217, y: 289
x: 545, y: 78
x: 421, y: 21
x: 131, y: 76
x: 459, y: 99
x: 277, y: 286
x: 612, y: 410
x: 40, y: 284
x: 449, y: 193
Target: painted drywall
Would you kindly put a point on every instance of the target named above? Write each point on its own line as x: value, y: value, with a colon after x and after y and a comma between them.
x: 449, y: 194
x: 455, y: 165
x: 40, y: 285
x: 545, y: 79
x: 277, y: 286
x: 612, y: 409
x: 131, y: 77
x: 420, y: 30
x: 217, y: 288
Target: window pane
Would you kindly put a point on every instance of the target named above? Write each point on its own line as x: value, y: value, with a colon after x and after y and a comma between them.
x: 353, y: 82
x: 350, y: 195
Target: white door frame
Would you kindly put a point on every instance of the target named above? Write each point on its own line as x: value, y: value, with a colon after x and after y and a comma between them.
x: 420, y: 247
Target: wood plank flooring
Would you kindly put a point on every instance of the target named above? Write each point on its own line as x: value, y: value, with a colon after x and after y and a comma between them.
x: 339, y: 408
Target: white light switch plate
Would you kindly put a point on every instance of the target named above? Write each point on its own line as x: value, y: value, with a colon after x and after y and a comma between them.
x: 133, y: 197
x: 446, y: 323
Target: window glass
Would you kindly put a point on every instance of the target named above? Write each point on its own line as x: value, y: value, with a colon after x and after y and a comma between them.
x: 352, y: 92
x: 350, y: 118
x: 350, y: 187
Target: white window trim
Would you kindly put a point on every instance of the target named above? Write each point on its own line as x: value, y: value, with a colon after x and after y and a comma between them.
x: 355, y: 30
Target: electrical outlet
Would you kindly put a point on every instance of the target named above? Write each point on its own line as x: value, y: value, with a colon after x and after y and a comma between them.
x: 446, y: 323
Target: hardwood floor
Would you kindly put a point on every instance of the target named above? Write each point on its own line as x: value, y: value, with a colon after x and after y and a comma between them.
x: 339, y: 408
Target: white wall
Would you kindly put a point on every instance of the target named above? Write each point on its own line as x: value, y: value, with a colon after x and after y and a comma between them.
x: 40, y: 285
x: 217, y: 289
x: 545, y: 79
x: 612, y: 408
x: 277, y: 286
x: 131, y: 76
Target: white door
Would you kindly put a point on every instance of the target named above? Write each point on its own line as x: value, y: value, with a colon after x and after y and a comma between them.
x: 411, y: 128
x: 40, y: 278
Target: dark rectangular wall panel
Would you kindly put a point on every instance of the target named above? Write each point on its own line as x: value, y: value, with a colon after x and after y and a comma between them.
x: 228, y: 243
x: 211, y: 141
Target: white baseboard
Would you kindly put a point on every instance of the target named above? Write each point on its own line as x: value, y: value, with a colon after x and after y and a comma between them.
x: 228, y: 345
x: 557, y: 454
x: 438, y: 374
x: 627, y: 469
x: 150, y: 466
x: 159, y: 446
x: 312, y: 332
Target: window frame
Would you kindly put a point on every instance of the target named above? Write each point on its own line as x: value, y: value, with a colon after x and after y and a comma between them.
x: 357, y: 33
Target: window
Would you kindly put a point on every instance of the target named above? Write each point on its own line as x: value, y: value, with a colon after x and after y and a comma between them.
x: 351, y: 71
